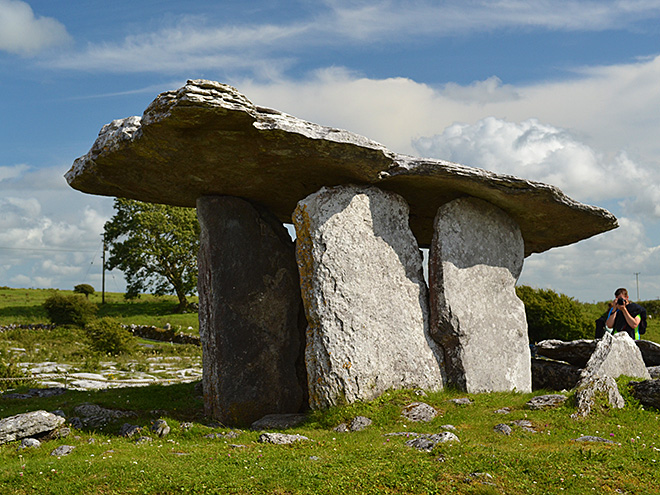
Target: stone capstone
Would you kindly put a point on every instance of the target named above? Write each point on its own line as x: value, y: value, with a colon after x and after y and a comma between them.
x: 251, y: 318
x: 364, y: 296
x: 474, y: 262
x: 616, y: 355
x: 206, y: 138
x: 28, y: 425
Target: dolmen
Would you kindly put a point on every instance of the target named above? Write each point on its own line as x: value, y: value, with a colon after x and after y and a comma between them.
x: 343, y: 313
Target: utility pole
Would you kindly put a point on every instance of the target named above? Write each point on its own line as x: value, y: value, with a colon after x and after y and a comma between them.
x: 103, y: 275
x: 637, y: 279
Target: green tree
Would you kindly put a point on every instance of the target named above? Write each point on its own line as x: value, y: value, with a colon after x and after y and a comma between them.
x: 156, y: 247
x: 554, y: 316
x: 85, y: 289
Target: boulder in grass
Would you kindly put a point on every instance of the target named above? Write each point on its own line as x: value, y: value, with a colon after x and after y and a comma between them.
x: 28, y: 425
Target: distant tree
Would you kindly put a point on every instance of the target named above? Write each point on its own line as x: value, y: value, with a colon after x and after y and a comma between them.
x: 156, y: 247
x: 84, y: 289
x: 554, y: 316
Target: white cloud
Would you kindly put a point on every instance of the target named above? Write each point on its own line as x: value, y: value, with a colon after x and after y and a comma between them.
x: 544, y: 153
x: 23, y: 33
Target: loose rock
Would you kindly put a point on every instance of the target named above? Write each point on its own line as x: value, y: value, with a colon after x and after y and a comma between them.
x: 27, y: 425
x: 546, y: 401
x: 419, y: 411
x: 280, y: 438
x: 62, y: 450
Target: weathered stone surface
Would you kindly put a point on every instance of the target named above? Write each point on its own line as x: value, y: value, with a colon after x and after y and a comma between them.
x: 615, y: 356
x: 419, y: 411
x: 593, y: 388
x: 94, y: 415
x: 474, y: 262
x: 503, y: 429
x: 28, y: 425
x: 358, y: 423
x: 654, y: 371
x: 251, y: 321
x: 160, y: 428
x: 208, y: 139
x: 426, y: 443
x: 280, y: 438
x: 364, y: 296
x: 545, y: 401
x: 647, y: 392
x: 63, y: 450
x: 554, y: 375
x: 575, y: 352
x: 650, y: 352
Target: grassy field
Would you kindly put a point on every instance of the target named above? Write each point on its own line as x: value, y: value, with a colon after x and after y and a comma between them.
x: 548, y: 460
x: 23, y: 306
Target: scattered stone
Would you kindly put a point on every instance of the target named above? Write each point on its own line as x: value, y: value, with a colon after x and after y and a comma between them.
x: 647, y: 392
x: 76, y: 423
x: 616, y: 355
x: 419, y: 411
x: 463, y: 401
x: 358, y: 423
x: 426, y: 443
x: 368, y: 325
x: 593, y: 387
x: 62, y: 450
x: 237, y: 446
x: 280, y: 438
x: 314, y: 458
x: 160, y: 427
x: 27, y: 425
x: 250, y: 322
x: 504, y: 410
x: 94, y: 415
x: 554, y: 375
x: 546, y: 401
x: 185, y: 426
x: 142, y: 440
x: 30, y: 443
x: 59, y: 432
x: 475, y: 259
x: 589, y: 438
x: 481, y: 478
x: 503, y: 429
x: 523, y: 423
x: 279, y: 421
x: 448, y: 427
x: 129, y: 430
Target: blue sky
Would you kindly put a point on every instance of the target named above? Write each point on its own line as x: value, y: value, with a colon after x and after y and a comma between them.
x: 563, y: 92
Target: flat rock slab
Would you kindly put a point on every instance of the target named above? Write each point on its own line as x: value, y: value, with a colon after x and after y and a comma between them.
x: 206, y: 138
x: 575, y: 352
x: 365, y: 297
x: 541, y: 402
x: 650, y: 352
x: 28, y: 424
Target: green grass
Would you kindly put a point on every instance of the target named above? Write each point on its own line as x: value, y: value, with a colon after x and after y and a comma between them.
x: 549, y: 461
x: 24, y: 306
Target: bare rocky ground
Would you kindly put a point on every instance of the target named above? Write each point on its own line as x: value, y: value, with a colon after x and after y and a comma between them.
x: 111, y: 374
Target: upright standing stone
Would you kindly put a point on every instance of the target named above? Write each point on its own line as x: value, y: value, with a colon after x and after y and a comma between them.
x: 364, y: 296
x: 250, y: 317
x: 474, y: 262
x: 616, y: 355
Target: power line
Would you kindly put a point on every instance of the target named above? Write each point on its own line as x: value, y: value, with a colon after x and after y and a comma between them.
x: 50, y: 249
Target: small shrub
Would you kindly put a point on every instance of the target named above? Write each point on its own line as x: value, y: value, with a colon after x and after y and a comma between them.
x: 554, y: 316
x: 109, y: 337
x: 85, y: 289
x: 69, y: 309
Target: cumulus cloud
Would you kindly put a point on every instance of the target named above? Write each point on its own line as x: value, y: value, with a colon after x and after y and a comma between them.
x: 537, y: 151
x: 24, y: 33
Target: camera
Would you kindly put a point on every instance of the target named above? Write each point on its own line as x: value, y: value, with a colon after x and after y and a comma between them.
x: 620, y: 301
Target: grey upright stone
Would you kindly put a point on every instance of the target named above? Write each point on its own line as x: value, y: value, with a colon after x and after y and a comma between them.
x: 475, y: 259
x: 251, y: 318
x: 364, y: 296
x: 616, y: 355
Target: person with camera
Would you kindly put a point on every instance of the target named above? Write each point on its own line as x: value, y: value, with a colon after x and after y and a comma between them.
x: 625, y: 315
